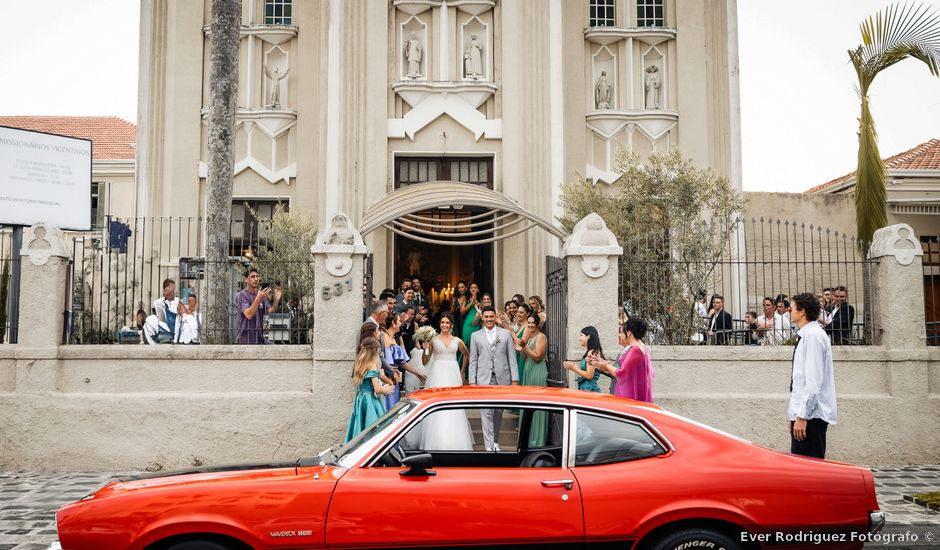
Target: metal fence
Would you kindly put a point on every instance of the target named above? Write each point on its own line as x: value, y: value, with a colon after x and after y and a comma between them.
x: 118, y: 293
x: 931, y: 259
x: 674, y: 281
x: 8, y: 264
x: 556, y: 299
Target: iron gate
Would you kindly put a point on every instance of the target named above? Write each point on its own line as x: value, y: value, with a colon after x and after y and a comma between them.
x: 556, y: 284
x: 367, y: 287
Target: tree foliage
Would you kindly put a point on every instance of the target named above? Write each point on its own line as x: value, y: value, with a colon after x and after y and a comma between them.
x: 888, y: 37
x: 674, y: 221
x: 284, y: 253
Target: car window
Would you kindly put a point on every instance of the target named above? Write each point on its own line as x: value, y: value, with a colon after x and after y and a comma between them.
x: 461, y: 430
x: 349, y: 453
x: 605, y: 440
x: 545, y: 428
x: 453, y: 436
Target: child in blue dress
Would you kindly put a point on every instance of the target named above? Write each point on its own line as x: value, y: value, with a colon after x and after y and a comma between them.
x: 368, y: 406
x: 587, y: 374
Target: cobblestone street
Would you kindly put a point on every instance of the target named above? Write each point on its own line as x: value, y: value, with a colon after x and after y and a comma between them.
x: 28, y: 502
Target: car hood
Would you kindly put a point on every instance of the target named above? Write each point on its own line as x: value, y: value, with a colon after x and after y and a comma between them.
x: 215, y: 475
x: 208, y: 470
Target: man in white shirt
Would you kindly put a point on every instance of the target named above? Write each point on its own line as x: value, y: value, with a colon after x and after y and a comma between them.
x: 812, y: 405
x: 772, y: 327
x: 160, y: 326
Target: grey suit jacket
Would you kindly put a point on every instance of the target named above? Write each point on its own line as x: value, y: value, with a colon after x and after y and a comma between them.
x: 499, y: 358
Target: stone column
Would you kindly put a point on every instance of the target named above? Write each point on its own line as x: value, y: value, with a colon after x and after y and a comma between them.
x: 592, y: 255
x: 338, y: 254
x: 897, y: 282
x: 44, y: 266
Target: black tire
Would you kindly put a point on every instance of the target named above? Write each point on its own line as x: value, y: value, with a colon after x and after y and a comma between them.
x: 706, y: 538
x: 199, y: 545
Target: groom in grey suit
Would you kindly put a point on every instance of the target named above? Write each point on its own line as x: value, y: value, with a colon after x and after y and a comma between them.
x: 492, y: 363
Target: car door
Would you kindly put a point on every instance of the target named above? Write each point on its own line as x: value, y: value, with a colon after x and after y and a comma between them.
x: 475, y: 496
x: 623, y: 472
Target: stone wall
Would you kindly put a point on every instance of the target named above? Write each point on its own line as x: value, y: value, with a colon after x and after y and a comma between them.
x: 117, y: 408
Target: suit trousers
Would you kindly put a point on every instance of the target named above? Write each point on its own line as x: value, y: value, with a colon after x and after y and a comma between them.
x: 492, y: 419
x: 814, y: 444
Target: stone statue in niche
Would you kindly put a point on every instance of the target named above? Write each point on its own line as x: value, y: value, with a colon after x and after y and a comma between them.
x: 473, y: 59
x: 602, y: 92
x: 653, y: 85
x: 275, y: 76
x: 413, y: 53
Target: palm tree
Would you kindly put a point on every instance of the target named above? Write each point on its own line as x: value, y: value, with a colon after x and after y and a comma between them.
x: 890, y: 36
x: 223, y: 101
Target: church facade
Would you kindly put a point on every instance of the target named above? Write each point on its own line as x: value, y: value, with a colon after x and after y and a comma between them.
x: 344, y: 102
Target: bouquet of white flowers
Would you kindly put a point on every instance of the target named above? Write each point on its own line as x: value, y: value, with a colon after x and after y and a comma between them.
x: 425, y: 333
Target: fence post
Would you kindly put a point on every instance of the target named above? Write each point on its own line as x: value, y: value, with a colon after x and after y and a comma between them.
x: 338, y: 257
x: 593, y: 254
x: 897, y: 282
x: 42, y: 294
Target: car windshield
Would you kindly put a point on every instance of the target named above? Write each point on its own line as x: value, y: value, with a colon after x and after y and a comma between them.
x: 349, y: 453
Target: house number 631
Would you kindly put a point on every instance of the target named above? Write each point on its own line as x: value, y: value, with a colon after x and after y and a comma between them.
x: 336, y: 289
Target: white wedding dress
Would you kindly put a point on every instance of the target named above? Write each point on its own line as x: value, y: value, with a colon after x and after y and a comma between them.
x: 447, y: 430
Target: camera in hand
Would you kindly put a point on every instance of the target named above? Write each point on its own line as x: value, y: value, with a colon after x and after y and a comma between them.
x: 265, y: 286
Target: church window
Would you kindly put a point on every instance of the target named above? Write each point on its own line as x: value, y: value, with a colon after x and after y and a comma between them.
x: 602, y: 13
x: 97, y: 205
x: 476, y: 170
x: 277, y: 12
x: 649, y: 13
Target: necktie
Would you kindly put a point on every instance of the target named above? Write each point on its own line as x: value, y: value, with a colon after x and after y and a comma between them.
x: 798, y: 337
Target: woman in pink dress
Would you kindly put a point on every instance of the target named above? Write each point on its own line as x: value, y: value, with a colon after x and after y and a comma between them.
x: 633, y: 374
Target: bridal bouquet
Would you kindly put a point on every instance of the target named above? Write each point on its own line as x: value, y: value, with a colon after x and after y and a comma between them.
x: 424, y: 334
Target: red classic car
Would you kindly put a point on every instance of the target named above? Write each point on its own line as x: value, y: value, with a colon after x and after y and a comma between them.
x: 569, y: 468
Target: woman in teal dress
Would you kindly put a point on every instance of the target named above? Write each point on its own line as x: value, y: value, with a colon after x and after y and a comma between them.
x: 587, y: 374
x: 533, y: 346
x: 368, y: 406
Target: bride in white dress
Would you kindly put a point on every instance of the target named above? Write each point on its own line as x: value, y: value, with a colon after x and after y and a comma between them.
x: 447, y: 430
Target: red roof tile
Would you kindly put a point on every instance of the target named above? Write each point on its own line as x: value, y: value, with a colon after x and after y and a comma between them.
x: 112, y: 138
x: 925, y: 156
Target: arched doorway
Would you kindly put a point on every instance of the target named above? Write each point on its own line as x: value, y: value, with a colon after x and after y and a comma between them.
x: 445, y: 230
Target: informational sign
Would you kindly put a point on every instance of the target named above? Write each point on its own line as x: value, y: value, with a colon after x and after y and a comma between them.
x: 44, y: 178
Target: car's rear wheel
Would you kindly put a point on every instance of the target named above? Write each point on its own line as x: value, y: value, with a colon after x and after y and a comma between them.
x: 694, y: 538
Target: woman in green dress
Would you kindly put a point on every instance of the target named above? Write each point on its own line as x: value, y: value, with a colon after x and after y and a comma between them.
x: 473, y: 319
x: 587, y: 374
x: 518, y: 328
x: 368, y: 406
x: 534, y: 346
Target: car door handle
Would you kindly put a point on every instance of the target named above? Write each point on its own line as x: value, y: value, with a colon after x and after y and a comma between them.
x: 566, y: 483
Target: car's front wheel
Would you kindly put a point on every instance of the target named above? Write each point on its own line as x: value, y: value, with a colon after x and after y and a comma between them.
x: 200, y: 545
x: 694, y: 538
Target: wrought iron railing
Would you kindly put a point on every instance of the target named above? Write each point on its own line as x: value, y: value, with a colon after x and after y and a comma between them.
x: 931, y: 261
x: 8, y: 304
x: 673, y: 283
x: 118, y: 275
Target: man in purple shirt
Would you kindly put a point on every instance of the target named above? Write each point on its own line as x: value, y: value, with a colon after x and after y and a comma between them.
x: 252, y: 304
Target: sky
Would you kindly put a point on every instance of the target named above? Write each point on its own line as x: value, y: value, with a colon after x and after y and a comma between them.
x: 799, y: 108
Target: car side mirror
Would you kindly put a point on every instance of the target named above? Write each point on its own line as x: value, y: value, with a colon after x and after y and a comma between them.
x: 418, y: 466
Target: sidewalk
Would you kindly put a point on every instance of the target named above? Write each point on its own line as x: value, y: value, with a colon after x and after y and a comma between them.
x: 28, y: 502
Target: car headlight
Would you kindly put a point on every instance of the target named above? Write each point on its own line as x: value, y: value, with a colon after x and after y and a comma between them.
x: 876, y: 522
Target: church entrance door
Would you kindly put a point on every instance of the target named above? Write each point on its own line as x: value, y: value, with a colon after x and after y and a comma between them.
x: 441, y: 266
